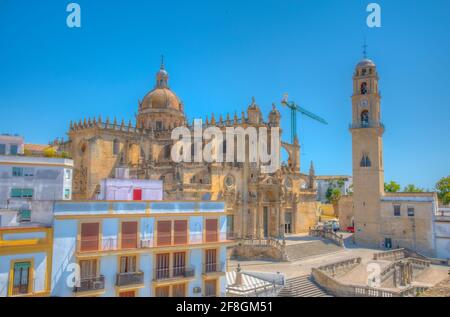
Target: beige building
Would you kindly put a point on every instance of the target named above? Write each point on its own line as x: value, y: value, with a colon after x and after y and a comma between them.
x: 262, y: 204
x: 381, y: 219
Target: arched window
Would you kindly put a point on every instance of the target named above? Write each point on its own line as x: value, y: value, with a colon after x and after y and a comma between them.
x: 365, y: 161
x: 365, y: 118
x: 363, y: 88
x: 116, y: 146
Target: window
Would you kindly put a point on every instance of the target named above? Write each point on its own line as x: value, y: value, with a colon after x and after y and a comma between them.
x: 89, y: 237
x: 365, y: 119
x: 162, y: 291
x: 25, y: 215
x: 13, y: 149
x: 159, y: 125
x: 211, y: 226
x: 365, y: 161
x: 2, y: 149
x: 210, y: 260
x: 21, y: 278
x: 17, y: 171
x: 127, y: 294
x: 210, y: 288
x: 67, y: 193
x: 21, y: 193
x: 397, y: 211
x: 179, y: 263
x: 28, y: 172
x: 137, y: 194
x: 68, y: 174
x: 167, y: 152
x: 164, y: 233
x: 180, y: 231
x: 128, y: 264
x: 162, y: 266
x: 410, y: 211
x: 116, y: 147
x: 179, y: 290
x: 364, y: 88
x: 88, y: 269
x: 129, y: 235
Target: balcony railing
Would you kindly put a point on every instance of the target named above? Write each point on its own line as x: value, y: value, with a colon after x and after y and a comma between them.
x: 213, y: 267
x: 86, y: 245
x: 130, y: 278
x: 90, y: 284
x: 174, y: 272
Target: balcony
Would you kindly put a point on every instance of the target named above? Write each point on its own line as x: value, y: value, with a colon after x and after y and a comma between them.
x: 90, y: 284
x: 162, y: 274
x: 93, y: 245
x: 213, y: 268
x: 130, y: 278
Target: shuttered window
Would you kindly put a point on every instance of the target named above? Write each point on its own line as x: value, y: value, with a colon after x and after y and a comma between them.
x: 129, y: 235
x: 179, y: 290
x: 180, y: 231
x: 162, y: 291
x: 211, y: 230
x: 210, y: 288
x: 89, y: 237
x: 164, y: 234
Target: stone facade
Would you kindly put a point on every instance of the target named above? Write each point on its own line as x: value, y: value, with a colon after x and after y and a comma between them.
x: 262, y: 204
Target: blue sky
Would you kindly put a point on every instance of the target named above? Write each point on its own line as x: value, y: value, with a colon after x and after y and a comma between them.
x: 221, y: 53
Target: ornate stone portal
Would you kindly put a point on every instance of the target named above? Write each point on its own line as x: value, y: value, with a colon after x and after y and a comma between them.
x: 259, y: 204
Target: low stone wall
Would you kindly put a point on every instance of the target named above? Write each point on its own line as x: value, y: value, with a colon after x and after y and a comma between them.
x: 256, y: 252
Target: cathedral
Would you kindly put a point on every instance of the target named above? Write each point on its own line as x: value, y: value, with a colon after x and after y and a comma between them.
x: 259, y: 204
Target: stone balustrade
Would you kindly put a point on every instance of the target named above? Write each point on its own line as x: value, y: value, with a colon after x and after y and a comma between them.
x: 392, y: 255
x: 327, y: 234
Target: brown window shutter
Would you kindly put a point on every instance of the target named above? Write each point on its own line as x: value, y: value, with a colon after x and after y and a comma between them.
x: 211, y: 230
x: 164, y: 235
x: 89, y: 236
x: 180, y: 231
x: 129, y: 235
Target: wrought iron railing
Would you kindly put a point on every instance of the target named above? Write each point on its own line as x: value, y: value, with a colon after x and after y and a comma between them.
x: 130, y: 278
x: 90, y: 284
x: 173, y: 272
x: 213, y: 267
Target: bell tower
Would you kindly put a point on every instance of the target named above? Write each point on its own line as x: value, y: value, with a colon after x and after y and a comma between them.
x: 367, y: 147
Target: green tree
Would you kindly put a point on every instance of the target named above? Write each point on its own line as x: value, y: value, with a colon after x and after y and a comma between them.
x: 443, y: 190
x: 333, y: 195
x: 411, y: 188
x: 391, y: 187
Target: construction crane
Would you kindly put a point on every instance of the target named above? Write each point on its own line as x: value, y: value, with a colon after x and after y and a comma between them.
x: 295, y: 108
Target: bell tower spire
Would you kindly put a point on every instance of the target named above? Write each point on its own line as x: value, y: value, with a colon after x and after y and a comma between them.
x: 367, y: 146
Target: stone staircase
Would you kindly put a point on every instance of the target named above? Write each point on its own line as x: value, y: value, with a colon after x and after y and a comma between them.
x: 295, y: 252
x: 302, y: 286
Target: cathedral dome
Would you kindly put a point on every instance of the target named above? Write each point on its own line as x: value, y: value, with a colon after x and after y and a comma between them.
x: 161, y: 97
x: 365, y: 63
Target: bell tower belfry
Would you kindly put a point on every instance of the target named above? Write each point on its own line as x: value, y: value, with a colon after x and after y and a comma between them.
x: 367, y: 147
